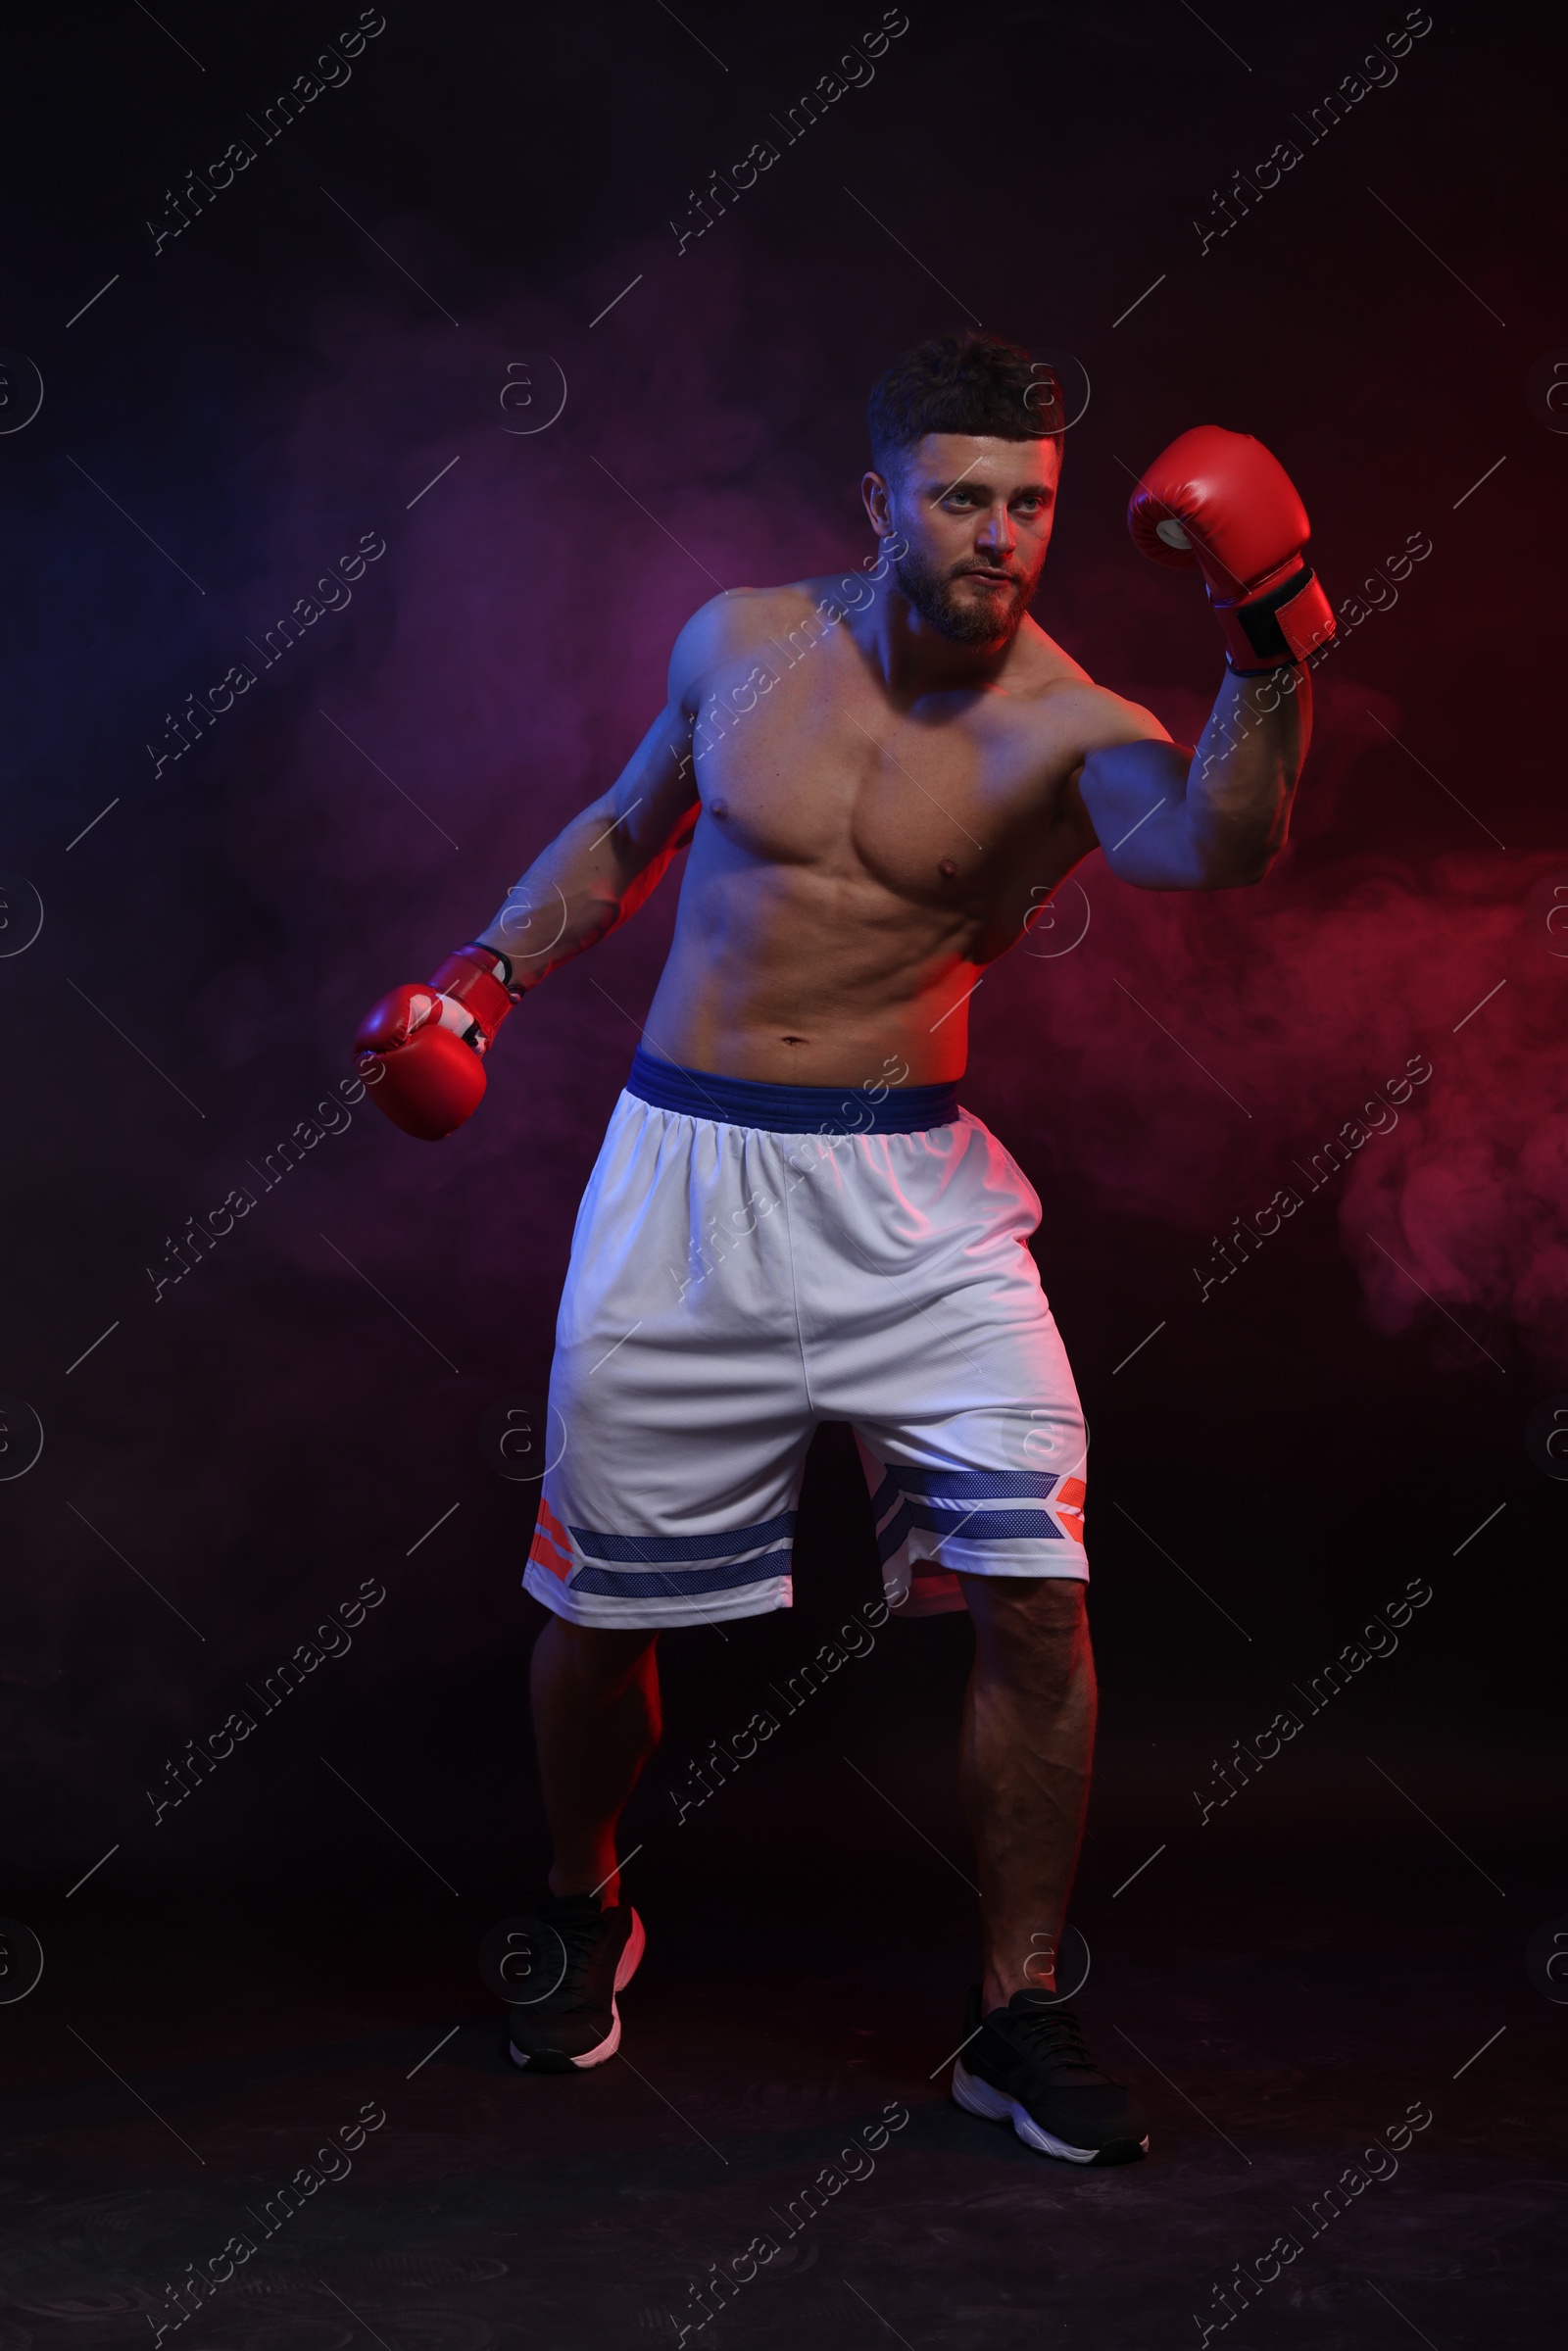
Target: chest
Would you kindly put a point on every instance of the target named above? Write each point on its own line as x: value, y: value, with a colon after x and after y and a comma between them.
x: 810, y: 764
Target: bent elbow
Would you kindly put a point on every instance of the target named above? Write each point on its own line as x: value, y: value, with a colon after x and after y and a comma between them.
x: 1243, y: 855
x: 1239, y: 867
x: 1248, y: 878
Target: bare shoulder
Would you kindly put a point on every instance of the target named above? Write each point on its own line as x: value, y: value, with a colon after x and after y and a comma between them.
x: 733, y: 625
x: 1070, y: 703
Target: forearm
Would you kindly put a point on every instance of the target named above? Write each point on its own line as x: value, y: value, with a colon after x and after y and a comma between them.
x: 572, y: 896
x: 591, y: 878
x: 428, y: 1044
x: 1244, y: 774
x: 601, y: 867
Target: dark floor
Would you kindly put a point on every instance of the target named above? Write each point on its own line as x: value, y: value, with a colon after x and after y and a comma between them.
x: 1280, y: 2016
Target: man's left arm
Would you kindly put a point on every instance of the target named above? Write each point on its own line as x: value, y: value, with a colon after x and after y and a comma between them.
x: 1213, y: 817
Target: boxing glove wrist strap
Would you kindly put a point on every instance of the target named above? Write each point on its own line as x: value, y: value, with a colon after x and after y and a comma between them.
x: 1268, y: 632
x: 472, y: 986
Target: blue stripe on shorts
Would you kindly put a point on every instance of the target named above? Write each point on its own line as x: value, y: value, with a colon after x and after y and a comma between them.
x: 648, y: 1551
x: 965, y: 1486
x: 981, y: 1526
x: 622, y: 1584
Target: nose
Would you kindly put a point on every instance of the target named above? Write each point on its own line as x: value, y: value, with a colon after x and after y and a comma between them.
x: 998, y: 534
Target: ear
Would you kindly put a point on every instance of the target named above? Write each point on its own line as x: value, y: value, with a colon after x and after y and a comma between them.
x: 877, y: 494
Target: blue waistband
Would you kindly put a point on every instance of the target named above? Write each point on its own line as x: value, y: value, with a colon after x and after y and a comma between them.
x: 791, y: 1109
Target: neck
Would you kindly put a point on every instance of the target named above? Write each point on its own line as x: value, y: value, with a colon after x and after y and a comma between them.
x: 916, y: 659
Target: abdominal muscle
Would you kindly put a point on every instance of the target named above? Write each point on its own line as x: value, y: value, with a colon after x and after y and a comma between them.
x: 791, y: 976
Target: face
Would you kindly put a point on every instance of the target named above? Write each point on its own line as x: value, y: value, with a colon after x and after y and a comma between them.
x: 977, y: 513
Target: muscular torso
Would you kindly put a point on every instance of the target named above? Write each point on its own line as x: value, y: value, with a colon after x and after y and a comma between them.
x: 860, y: 856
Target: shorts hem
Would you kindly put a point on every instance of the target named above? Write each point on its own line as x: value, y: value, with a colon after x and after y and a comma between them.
x: 995, y: 1572
x: 667, y: 1612
x: 988, y: 1559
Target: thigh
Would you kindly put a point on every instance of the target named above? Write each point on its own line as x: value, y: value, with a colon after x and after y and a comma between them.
x: 947, y: 1359
x: 678, y: 1417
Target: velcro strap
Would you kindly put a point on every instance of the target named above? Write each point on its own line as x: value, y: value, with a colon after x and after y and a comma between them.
x: 1275, y: 630
x: 1308, y: 618
x: 475, y: 978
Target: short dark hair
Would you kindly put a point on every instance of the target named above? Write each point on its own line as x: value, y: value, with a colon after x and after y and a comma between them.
x: 971, y: 383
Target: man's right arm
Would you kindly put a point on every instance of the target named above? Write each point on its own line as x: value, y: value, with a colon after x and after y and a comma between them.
x: 599, y: 869
x: 423, y: 1048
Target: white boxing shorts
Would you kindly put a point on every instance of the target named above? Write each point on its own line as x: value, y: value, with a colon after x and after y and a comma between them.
x: 750, y: 1261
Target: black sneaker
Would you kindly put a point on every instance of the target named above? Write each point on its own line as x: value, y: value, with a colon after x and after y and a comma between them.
x: 581, y: 1956
x: 1028, y: 2065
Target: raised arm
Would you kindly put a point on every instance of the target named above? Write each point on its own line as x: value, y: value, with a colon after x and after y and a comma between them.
x: 422, y: 1047
x: 1210, y: 818
x: 1215, y: 818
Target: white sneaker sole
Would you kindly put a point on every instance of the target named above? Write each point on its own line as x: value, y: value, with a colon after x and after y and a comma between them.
x: 994, y: 2106
x: 626, y: 1968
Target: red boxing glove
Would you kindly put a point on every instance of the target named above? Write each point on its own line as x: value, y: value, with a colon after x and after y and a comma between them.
x: 429, y: 1042
x: 1219, y: 500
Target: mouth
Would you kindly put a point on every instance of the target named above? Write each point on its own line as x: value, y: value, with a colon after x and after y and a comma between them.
x: 989, y: 579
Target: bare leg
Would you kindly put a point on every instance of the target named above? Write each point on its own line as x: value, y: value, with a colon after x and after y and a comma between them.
x: 596, y: 1722
x: 1023, y: 1770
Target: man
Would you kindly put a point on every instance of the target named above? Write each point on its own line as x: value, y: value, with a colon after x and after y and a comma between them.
x: 791, y: 1218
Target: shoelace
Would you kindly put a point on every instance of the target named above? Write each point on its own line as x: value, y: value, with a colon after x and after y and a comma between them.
x: 577, y: 1936
x: 1055, y: 2034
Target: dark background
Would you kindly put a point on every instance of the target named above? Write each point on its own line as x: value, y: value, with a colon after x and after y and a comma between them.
x: 240, y: 1452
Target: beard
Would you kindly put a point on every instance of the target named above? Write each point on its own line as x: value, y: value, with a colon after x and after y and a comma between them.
x: 940, y: 602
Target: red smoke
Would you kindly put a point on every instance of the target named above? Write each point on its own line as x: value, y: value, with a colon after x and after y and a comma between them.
x: 1301, y: 998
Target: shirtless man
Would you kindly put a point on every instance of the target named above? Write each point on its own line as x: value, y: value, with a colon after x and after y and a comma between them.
x: 791, y: 1220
